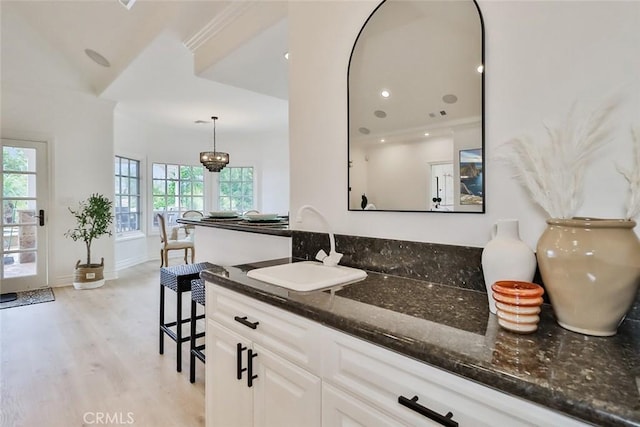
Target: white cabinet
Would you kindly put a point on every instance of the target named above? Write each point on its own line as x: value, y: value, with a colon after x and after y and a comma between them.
x: 285, y: 395
x: 341, y: 409
x: 310, y: 375
x: 431, y: 396
x: 248, y: 381
x: 229, y: 401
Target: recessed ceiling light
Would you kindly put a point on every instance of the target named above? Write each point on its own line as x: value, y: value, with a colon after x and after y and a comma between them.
x: 450, y: 98
x: 385, y: 93
x: 200, y: 122
x: 127, y: 3
x: 382, y: 140
x: 426, y: 134
x: 97, y: 58
x: 380, y: 114
x: 480, y: 68
x: 364, y: 131
x: 286, y: 55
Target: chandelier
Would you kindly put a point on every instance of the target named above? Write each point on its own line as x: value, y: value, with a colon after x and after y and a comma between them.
x: 214, y: 160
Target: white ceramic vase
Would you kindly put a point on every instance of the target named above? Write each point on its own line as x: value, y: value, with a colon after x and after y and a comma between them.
x: 506, y: 257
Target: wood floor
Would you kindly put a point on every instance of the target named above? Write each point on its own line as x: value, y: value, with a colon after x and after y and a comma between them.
x: 92, y: 356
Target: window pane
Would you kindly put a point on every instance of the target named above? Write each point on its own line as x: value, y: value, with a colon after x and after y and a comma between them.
x: 159, y: 171
x: 185, y: 188
x: 117, y: 166
x: 185, y: 172
x: 224, y: 174
x: 247, y: 174
x: 134, y: 202
x: 198, y: 188
x: 133, y: 168
x: 116, y: 187
x: 236, y: 174
x: 198, y: 173
x: 158, y: 187
x: 159, y: 203
x: 198, y: 203
x: 133, y: 186
x: 16, y: 159
x: 124, y: 166
x: 172, y: 171
x: 225, y: 203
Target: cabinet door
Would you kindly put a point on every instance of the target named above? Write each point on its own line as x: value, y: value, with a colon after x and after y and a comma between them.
x: 284, y: 394
x: 229, y: 402
x: 341, y: 409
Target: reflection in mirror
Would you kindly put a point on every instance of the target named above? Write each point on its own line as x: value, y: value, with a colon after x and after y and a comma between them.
x: 416, y: 120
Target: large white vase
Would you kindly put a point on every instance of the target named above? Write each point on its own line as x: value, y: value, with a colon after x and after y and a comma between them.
x: 506, y: 257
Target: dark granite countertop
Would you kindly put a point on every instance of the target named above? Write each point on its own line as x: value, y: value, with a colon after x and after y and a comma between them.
x: 595, y: 379
x: 272, y: 229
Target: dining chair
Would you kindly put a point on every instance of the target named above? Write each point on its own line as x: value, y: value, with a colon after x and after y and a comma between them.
x: 191, y: 214
x: 172, y: 242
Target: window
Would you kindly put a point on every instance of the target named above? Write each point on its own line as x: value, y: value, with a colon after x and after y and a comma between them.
x: 127, y: 195
x: 176, y: 189
x: 236, y: 189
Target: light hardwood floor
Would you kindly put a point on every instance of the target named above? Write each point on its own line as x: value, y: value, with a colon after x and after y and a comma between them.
x: 93, y: 355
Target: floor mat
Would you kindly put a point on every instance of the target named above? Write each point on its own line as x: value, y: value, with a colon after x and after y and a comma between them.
x: 35, y: 296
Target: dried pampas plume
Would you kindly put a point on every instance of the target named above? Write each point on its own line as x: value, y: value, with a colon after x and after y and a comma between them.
x: 553, y: 171
x: 633, y: 177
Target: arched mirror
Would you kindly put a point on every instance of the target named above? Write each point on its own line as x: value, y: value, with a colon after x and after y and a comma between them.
x: 416, y: 108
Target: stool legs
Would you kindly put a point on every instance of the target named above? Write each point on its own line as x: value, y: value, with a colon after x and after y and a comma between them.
x: 161, y: 319
x: 179, y: 332
x: 192, y: 334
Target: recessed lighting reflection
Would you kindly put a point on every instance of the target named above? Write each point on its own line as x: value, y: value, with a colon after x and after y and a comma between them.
x: 480, y: 69
x: 385, y: 93
x: 382, y: 140
x: 426, y: 134
x: 286, y: 55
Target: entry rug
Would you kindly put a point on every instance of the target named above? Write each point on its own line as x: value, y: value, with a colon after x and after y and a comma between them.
x: 35, y: 296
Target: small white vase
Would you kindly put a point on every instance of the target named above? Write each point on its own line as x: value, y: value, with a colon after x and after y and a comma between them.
x: 506, y: 257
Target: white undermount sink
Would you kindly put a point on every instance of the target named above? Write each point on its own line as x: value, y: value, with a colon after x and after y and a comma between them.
x: 307, y: 276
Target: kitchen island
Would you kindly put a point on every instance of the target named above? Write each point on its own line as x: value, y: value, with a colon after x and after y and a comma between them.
x: 592, y: 379
x: 237, y: 241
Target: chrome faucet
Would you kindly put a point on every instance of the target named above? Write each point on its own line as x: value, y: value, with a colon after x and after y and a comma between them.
x: 334, y: 257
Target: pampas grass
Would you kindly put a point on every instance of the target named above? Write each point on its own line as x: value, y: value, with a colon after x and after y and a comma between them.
x: 553, y: 171
x: 633, y: 177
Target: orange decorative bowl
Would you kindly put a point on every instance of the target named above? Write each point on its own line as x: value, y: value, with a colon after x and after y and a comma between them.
x: 518, y: 305
x: 517, y: 288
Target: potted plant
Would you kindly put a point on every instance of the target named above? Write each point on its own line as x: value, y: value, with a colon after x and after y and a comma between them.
x: 589, y: 266
x: 93, y: 219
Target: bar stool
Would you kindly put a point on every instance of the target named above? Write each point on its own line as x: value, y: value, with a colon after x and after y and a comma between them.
x: 197, y: 297
x: 177, y: 278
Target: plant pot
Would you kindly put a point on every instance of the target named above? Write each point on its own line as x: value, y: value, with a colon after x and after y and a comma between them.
x: 89, y: 276
x: 590, y: 268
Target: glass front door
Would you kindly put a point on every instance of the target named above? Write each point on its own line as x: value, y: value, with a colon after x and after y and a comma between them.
x: 24, y: 199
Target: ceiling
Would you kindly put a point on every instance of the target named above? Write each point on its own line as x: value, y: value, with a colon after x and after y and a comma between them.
x: 174, y: 61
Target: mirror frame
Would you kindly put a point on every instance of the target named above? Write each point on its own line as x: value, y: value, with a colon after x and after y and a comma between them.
x: 482, y: 88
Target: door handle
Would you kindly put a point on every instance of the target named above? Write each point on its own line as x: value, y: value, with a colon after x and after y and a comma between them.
x: 239, y: 369
x: 250, y: 376
x: 40, y: 217
x: 245, y: 322
x: 445, y: 420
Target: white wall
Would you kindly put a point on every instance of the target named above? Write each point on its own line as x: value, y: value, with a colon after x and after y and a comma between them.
x: 157, y: 143
x: 44, y: 99
x: 540, y: 58
x: 400, y: 174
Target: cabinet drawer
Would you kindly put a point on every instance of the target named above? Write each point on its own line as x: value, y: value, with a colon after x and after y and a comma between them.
x: 291, y: 336
x: 380, y: 377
